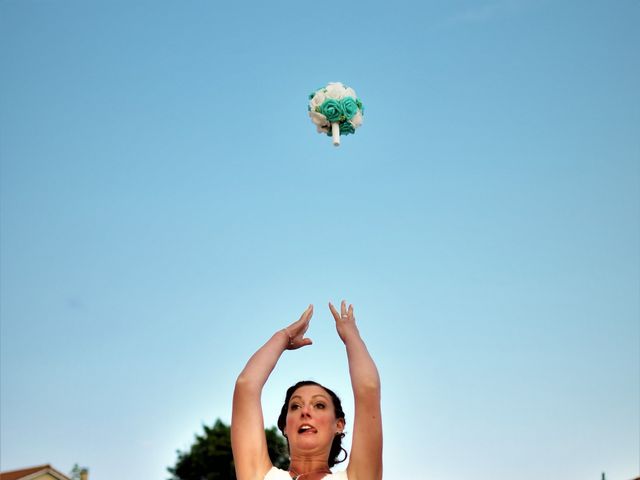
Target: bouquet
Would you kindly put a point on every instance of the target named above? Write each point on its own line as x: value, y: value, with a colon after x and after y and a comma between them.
x: 335, y: 110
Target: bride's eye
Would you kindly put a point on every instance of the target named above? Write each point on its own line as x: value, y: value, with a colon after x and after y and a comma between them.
x: 320, y: 405
x: 294, y: 406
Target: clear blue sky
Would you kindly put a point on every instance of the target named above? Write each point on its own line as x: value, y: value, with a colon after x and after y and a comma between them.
x: 166, y: 205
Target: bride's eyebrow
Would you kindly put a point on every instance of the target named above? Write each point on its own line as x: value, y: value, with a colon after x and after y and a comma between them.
x: 318, y: 395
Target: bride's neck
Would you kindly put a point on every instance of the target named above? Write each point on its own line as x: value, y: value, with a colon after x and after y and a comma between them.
x: 301, y: 467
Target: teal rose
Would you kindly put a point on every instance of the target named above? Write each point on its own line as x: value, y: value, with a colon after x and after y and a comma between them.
x: 349, y: 107
x: 332, y: 109
x: 345, y: 129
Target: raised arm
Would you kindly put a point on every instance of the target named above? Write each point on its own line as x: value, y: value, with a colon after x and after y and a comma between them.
x: 366, y: 448
x: 248, y: 441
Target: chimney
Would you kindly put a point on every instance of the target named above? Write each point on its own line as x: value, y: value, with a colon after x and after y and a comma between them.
x: 84, y: 474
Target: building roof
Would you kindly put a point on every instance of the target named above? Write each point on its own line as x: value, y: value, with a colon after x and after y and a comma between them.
x: 32, y: 472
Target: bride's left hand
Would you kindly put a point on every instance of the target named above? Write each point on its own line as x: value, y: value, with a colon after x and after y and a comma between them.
x: 345, y: 321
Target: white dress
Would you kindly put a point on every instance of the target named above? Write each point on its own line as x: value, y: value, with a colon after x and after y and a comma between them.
x: 276, y: 474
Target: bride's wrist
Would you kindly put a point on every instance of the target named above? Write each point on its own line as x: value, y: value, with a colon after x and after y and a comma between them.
x: 352, y: 336
x: 287, y: 338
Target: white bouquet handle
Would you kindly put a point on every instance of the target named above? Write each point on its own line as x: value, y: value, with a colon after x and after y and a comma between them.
x: 335, y: 133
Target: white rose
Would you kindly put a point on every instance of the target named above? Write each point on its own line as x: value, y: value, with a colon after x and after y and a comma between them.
x: 356, y: 121
x: 317, y: 100
x: 319, y: 119
x: 350, y: 92
x: 335, y: 90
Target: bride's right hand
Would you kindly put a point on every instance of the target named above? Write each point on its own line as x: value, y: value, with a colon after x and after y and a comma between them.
x: 295, y: 332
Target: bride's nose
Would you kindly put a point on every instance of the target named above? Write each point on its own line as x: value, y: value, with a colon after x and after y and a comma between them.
x: 305, y: 411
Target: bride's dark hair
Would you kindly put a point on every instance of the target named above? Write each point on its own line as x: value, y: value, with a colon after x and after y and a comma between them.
x: 336, y: 445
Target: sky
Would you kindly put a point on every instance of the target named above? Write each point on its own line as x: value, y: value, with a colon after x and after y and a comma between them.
x: 167, y: 205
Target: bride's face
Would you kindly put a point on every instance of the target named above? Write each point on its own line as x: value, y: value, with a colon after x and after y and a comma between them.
x: 311, y: 421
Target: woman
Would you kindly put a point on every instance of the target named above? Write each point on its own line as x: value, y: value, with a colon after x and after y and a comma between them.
x: 311, y: 419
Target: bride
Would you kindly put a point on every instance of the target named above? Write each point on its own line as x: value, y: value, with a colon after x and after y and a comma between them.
x: 311, y: 418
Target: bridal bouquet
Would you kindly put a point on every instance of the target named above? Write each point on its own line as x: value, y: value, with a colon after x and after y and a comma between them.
x: 336, y: 110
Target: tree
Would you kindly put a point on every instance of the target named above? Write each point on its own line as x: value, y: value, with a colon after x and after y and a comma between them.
x: 210, y: 456
x: 75, y: 472
x: 78, y: 472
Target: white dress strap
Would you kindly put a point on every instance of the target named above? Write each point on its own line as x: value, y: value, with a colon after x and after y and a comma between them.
x: 341, y: 475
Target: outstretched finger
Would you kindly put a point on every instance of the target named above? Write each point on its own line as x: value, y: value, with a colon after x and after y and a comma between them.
x: 334, y: 312
x: 351, y: 312
x: 305, y: 318
x: 343, y: 308
x: 306, y: 314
